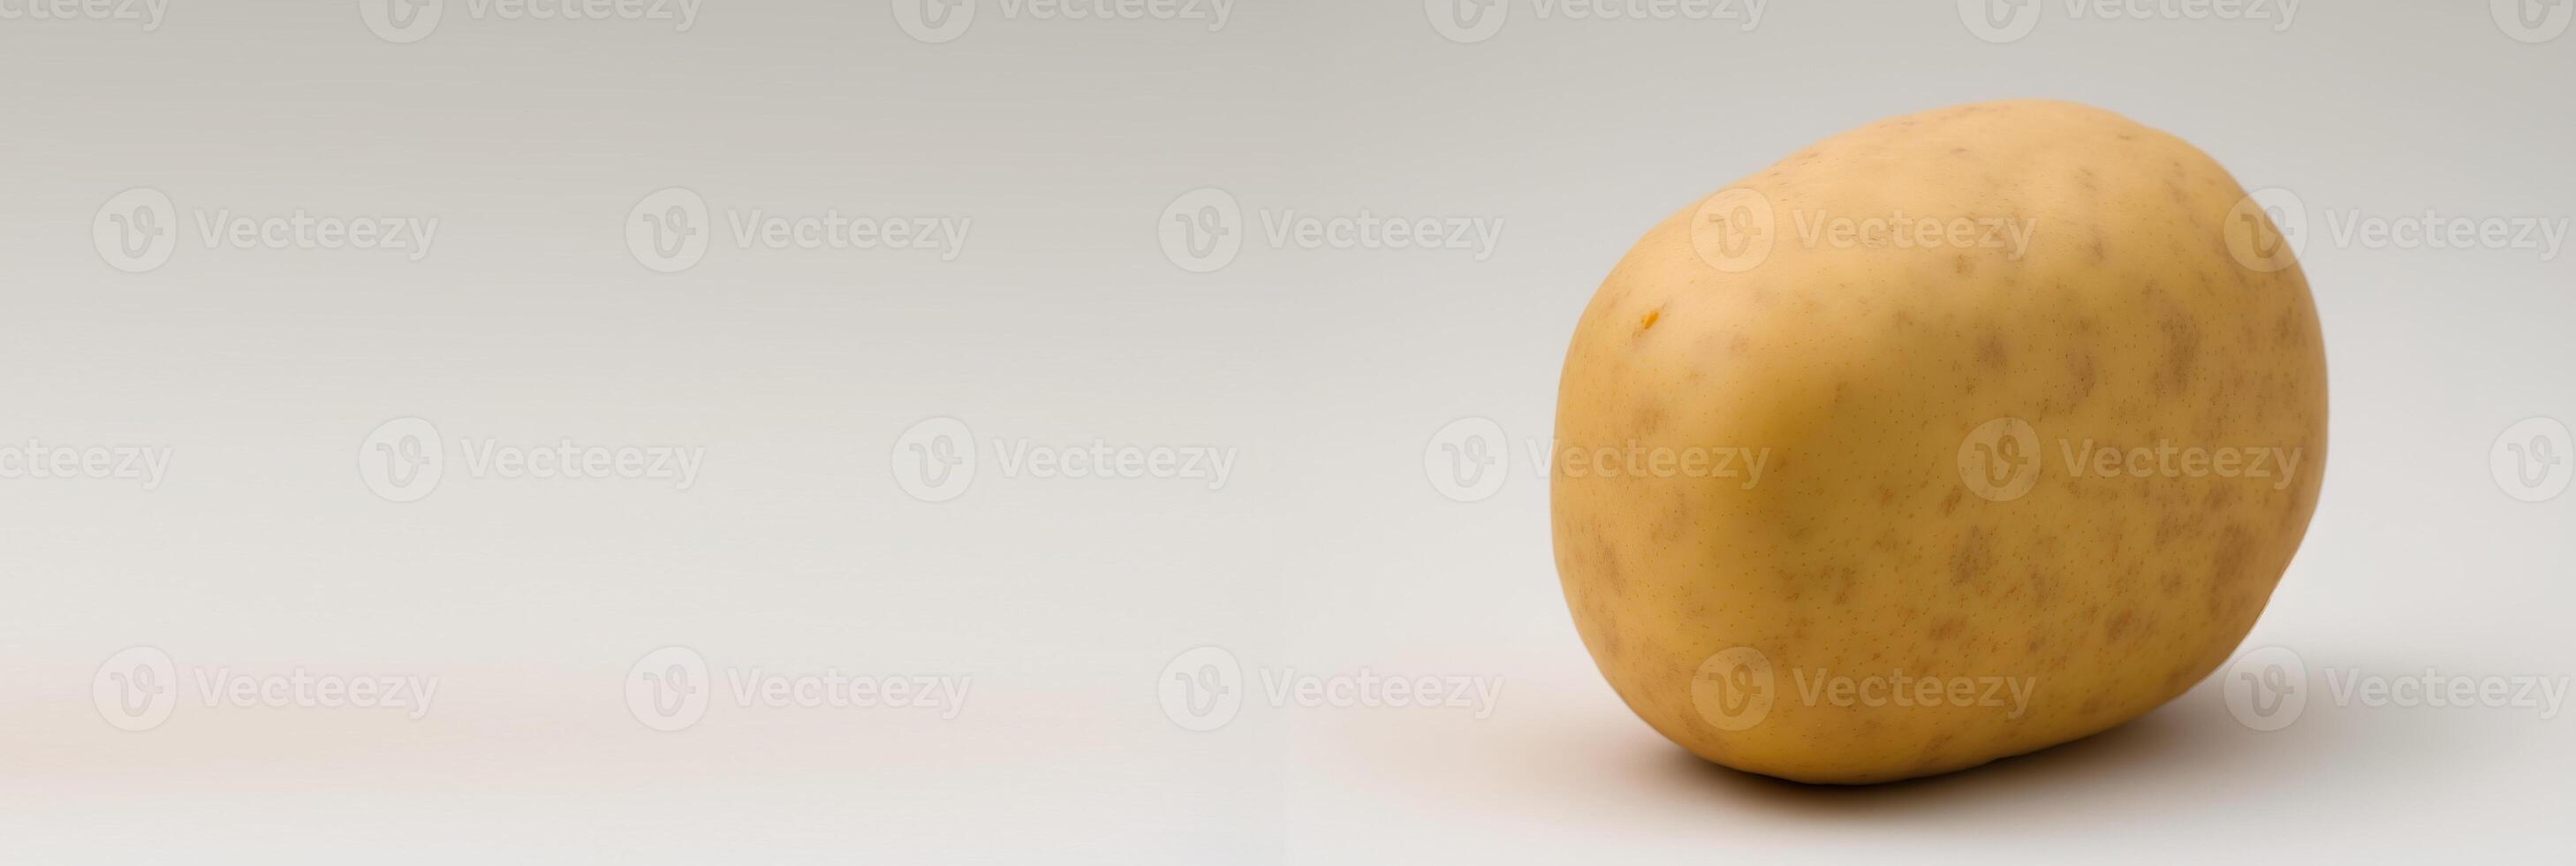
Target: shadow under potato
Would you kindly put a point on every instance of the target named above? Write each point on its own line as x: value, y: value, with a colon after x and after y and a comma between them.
x: 2161, y: 739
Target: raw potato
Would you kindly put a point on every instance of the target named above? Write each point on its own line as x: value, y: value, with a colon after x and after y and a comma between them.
x: 1797, y: 455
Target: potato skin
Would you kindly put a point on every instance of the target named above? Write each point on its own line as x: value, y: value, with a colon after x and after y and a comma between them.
x: 1863, y: 549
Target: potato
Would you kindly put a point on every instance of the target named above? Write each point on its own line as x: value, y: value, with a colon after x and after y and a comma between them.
x: 1952, y: 437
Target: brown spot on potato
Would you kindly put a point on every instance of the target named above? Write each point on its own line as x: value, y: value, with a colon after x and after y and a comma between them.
x: 2079, y: 368
x: 1970, y: 560
x: 1990, y: 351
x: 2228, y: 559
x: 1612, y: 579
x: 2118, y: 627
x: 2288, y: 332
x: 1947, y: 628
x: 1650, y: 418
x: 2182, y: 353
x: 1648, y: 323
x: 1950, y: 503
x: 2170, y: 525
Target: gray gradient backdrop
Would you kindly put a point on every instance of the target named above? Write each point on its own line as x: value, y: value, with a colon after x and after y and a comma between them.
x: 1076, y: 312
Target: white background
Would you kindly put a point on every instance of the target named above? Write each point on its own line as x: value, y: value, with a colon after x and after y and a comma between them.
x: 1066, y: 317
